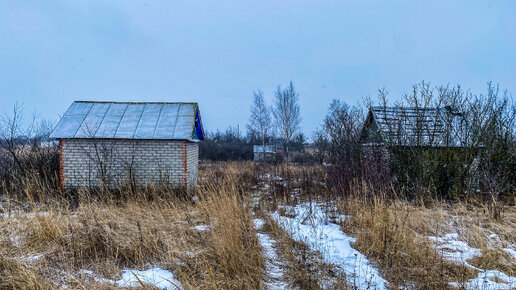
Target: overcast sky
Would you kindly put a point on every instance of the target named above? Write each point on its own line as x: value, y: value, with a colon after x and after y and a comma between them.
x: 217, y: 52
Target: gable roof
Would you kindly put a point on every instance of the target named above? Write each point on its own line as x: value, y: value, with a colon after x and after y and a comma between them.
x: 130, y: 120
x: 409, y: 126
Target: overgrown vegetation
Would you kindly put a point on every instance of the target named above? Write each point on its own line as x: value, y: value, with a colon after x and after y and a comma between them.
x: 207, y: 243
x: 400, y: 215
x: 396, y: 233
x: 208, y: 240
x: 481, y: 160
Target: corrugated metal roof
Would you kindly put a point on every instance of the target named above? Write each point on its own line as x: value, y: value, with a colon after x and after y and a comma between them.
x: 407, y: 126
x: 122, y: 120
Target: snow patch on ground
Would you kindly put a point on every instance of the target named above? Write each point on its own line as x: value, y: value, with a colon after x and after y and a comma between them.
x: 157, y: 277
x: 455, y: 250
x: 21, y: 214
x: 496, y: 242
x: 488, y: 280
x: 310, y: 226
x: 202, y: 228
x: 258, y: 224
x: 511, y: 252
x: 274, y: 271
x: 16, y: 241
x: 30, y: 258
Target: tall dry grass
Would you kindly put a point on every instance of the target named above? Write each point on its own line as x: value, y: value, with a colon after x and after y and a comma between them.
x: 47, y: 244
x: 385, y: 234
x: 206, y: 237
x: 394, y: 233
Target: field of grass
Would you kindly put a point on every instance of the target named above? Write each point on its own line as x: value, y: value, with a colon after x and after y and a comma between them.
x: 245, y: 227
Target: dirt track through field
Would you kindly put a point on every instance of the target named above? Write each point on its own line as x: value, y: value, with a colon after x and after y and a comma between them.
x: 274, y: 277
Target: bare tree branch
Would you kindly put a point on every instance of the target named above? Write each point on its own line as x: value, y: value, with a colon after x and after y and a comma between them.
x: 260, y: 120
x: 287, y: 114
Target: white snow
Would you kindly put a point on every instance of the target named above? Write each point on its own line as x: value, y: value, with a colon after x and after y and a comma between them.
x: 18, y: 213
x: 272, y: 265
x: 16, y: 241
x: 455, y: 250
x: 192, y: 254
x: 30, y: 258
x: 511, y: 252
x: 37, y: 213
x: 202, y: 228
x: 157, y: 277
x: 311, y: 226
x: 496, y: 242
x: 494, y: 237
x: 258, y: 223
x: 486, y: 280
x: 274, y: 271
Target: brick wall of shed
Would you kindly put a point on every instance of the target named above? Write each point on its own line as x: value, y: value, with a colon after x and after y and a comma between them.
x: 192, y: 163
x: 91, y: 162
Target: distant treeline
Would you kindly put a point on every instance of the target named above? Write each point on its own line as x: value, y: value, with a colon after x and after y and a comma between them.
x: 232, y: 145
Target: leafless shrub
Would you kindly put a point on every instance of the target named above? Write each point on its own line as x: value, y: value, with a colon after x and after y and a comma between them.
x: 25, y: 151
x: 441, y: 140
x: 339, y: 138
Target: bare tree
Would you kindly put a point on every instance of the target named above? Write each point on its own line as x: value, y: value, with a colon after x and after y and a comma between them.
x: 287, y: 114
x: 13, y: 136
x: 260, y: 120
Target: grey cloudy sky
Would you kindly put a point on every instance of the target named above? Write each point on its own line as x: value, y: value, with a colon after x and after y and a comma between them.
x: 218, y: 52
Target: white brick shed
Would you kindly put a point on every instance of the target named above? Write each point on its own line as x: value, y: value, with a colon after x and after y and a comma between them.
x: 113, y: 142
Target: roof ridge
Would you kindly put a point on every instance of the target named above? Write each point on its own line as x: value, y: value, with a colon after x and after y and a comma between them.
x: 117, y: 102
x: 404, y: 108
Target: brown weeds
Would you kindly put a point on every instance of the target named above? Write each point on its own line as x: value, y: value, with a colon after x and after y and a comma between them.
x: 47, y: 245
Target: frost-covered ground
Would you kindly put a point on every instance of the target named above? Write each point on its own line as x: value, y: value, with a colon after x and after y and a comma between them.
x: 309, y: 224
x: 458, y: 251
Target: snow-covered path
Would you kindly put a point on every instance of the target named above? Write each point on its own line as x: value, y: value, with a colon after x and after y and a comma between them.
x: 311, y: 227
x: 274, y: 278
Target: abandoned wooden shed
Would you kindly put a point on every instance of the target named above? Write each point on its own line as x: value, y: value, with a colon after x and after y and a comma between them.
x: 415, y: 127
x: 408, y: 142
x: 108, y: 143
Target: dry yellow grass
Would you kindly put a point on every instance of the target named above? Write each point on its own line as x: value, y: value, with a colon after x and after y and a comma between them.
x: 208, y: 241
x: 47, y: 245
x: 394, y: 233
